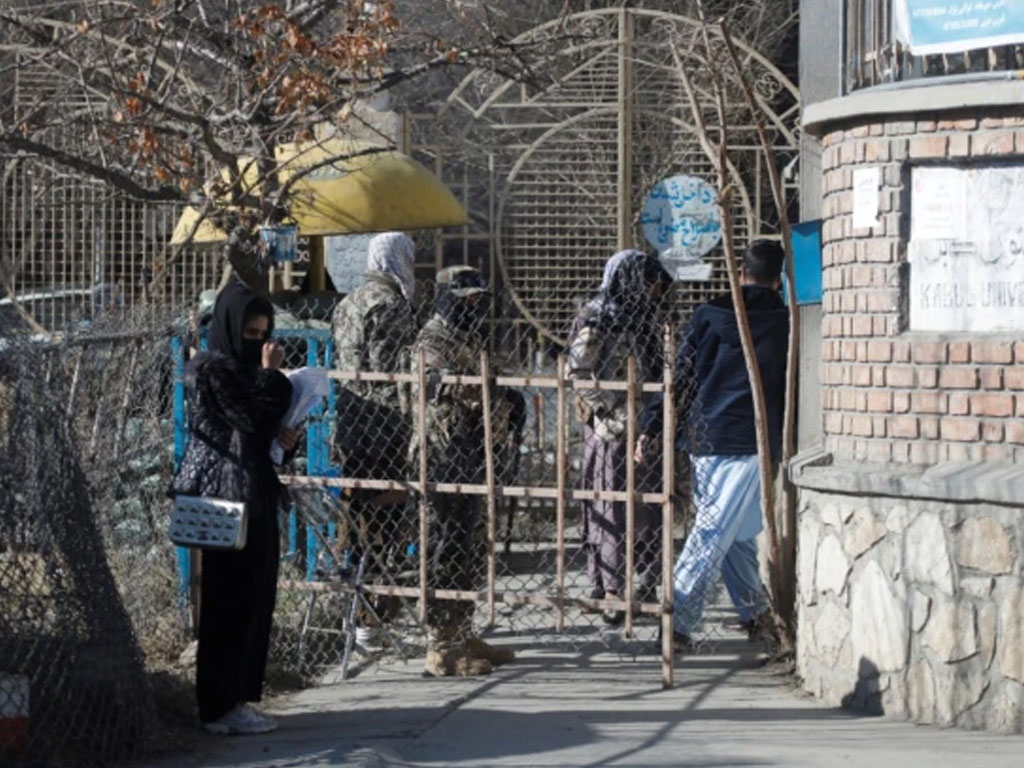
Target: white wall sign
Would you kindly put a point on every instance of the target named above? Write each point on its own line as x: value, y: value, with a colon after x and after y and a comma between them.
x: 681, y: 218
x: 866, y: 183
x: 967, y: 249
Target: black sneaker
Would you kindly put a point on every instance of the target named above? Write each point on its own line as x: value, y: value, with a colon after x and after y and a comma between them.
x: 683, y: 642
x: 647, y: 594
x: 612, y: 617
x: 763, y: 628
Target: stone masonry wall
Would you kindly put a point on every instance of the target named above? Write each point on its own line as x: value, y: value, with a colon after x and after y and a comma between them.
x: 914, y: 609
x: 889, y: 395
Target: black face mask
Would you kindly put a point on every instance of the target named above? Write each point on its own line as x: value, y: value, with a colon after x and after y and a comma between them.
x: 252, y: 352
x: 461, y: 314
x: 235, y: 305
x: 472, y: 317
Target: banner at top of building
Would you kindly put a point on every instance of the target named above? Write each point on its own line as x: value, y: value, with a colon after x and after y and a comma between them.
x: 953, y: 26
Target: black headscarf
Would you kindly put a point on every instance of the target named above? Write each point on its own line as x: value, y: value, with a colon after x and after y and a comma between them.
x: 236, y: 304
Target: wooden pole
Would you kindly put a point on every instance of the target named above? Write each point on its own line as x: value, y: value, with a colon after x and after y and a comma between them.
x: 421, y: 417
x: 492, y: 511
x: 507, y: 598
x: 70, y: 410
x: 630, y: 491
x: 469, y: 489
x: 541, y: 427
x: 743, y: 322
x: 95, y: 436
x: 668, y: 479
x: 788, y: 588
x: 561, y: 459
x: 317, y: 264
x: 122, y: 414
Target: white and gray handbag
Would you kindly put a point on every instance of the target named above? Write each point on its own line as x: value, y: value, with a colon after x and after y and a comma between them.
x: 203, y: 523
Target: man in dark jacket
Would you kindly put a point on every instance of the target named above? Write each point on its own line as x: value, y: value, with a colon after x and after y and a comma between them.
x: 716, y: 428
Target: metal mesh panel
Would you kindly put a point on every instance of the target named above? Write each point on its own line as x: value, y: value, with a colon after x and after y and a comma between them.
x: 86, y: 572
x: 71, y: 250
x: 557, y: 153
x: 533, y: 532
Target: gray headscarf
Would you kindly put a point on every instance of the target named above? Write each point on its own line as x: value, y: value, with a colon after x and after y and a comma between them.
x: 394, y: 254
x: 623, y: 293
x: 623, y: 301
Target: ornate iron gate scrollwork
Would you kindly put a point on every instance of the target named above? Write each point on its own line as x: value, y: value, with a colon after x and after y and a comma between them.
x: 573, y: 158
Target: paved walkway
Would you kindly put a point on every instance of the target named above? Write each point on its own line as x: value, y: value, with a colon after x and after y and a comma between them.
x: 557, y: 708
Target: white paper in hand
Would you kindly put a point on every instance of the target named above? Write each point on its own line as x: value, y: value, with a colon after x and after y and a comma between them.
x: 309, y: 387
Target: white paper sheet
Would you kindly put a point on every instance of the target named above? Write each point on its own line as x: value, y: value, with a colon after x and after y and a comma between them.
x: 866, y: 183
x: 309, y: 387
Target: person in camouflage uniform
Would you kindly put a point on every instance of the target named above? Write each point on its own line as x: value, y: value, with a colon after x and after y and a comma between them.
x: 618, y: 324
x: 374, y: 327
x: 451, y: 343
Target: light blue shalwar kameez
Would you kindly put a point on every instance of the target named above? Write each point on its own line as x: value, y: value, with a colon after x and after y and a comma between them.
x: 727, y: 495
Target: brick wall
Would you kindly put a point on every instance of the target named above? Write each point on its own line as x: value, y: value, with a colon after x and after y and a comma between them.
x: 890, y: 395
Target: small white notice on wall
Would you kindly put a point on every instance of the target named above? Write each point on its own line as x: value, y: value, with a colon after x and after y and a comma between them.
x: 939, y: 204
x: 866, y: 182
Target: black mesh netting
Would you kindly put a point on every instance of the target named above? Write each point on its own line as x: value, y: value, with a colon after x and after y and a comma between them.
x: 73, y: 688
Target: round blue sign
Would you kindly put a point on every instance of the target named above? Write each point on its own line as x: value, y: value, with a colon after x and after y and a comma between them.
x: 681, y: 217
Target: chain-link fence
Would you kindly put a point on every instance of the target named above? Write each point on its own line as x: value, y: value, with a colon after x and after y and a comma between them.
x: 456, y: 483
x: 482, y: 483
x: 87, y: 579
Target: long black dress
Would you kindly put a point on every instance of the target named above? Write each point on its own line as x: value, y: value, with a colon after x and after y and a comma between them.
x: 235, y: 410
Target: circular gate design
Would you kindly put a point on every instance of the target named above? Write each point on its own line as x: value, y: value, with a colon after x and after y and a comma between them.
x: 575, y: 156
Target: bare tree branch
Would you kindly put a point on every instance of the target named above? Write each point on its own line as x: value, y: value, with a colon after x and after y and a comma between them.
x: 119, y: 180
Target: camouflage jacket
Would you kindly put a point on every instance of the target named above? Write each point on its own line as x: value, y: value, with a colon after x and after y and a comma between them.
x: 455, y: 427
x: 373, y: 330
x: 599, y: 352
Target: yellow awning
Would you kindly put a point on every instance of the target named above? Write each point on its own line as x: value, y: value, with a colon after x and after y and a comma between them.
x: 375, y: 192
x: 207, y: 232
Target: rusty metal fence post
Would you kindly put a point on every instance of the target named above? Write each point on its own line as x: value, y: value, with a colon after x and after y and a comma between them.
x: 421, y: 417
x: 631, y: 395
x: 668, y: 480
x: 492, y: 512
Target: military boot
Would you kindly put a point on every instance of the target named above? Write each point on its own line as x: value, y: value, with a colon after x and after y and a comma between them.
x: 478, y: 649
x: 447, y: 655
x: 455, y: 662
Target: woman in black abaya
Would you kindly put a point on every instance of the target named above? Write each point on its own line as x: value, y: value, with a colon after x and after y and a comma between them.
x: 237, y: 397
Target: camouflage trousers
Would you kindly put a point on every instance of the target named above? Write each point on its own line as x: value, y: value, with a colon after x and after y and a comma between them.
x: 457, y: 560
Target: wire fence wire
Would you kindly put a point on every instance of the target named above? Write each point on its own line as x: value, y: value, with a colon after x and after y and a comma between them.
x: 86, y: 571
x: 463, y: 484
x: 484, y: 485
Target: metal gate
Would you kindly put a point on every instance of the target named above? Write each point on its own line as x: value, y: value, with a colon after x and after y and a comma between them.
x: 554, y: 172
